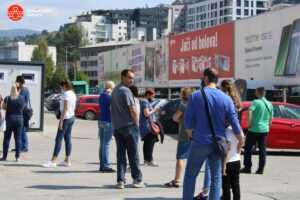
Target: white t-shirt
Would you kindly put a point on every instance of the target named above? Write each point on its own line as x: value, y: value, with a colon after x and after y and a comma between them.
x: 232, y: 155
x: 70, y: 97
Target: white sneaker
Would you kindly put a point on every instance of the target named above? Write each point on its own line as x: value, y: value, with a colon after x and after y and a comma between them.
x: 138, y: 184
x: 151, y: 164
x: 120, y: 185
x: 65, y: 164
x: 49, y: 164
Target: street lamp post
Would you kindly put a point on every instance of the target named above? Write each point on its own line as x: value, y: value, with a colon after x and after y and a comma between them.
x: 66, y: 57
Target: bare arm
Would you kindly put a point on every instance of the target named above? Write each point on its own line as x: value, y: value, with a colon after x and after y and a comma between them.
x: 177, y: 116
x: 133, y: 113
x: 240, y: 138
x: 63, y: 115
x: 148, y: 113
x: 189, y: 133
x: 249, y: 118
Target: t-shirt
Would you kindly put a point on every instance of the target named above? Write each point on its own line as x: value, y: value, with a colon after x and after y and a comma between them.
x: 25, y: 94
x: 14, y: 108
x: 138, y: 108
x: 261, y: 115
x: 182, y: 136
x: 232, y: 154
x: 144, y: 121
x: 104, y: 103
x: 122, y: 98
x: 221, y: 108
x: 70, y: 97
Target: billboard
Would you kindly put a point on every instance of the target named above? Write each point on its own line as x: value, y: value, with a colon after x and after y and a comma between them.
x: 265, y: 50
x: 191, y: 53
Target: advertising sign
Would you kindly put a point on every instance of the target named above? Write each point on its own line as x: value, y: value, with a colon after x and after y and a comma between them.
x: 265, y: 50
x: 191, y: 53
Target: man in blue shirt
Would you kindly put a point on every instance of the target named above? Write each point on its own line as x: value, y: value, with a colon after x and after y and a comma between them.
x: 105, y: 128
x: 24, y: 92
x: 222, y: 110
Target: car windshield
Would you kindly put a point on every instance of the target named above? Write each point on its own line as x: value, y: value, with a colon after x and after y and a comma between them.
x: 291, y: 112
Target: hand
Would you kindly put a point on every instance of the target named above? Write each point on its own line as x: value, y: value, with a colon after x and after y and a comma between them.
x: 60, y: 125
x: 239, y: 147
x: 190, y: 135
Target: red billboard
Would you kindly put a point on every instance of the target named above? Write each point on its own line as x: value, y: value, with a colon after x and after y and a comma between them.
x: 191, y: 53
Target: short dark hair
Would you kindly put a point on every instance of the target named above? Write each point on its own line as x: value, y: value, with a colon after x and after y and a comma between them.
x: 149, y: 91
x: 261, y: 91
x: 134, y: 90
x: 211, y: 74
x: 20, y: 79
x: 125, y: 72
x: 67, y: 84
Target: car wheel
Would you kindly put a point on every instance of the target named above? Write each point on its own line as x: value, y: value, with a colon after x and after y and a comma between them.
x: 89, y: 115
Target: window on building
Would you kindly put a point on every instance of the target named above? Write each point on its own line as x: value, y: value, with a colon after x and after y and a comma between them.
x: 259, y: 11
x: 221, y: 4
x: 246, y: 12
x: 221, y: 12
x: 2, y: 76
x: 260, y: 4
x: 246, y: 3
x: 228, y: 11
x: 238, y: 3
x: 252, y: 4
x: 227, y: 19
x: 238, y: 11
x: 251, y: 12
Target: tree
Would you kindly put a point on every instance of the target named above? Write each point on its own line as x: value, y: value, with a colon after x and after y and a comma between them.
x: 41, y: 54
x: 58, y: 76
x: 81, y: 76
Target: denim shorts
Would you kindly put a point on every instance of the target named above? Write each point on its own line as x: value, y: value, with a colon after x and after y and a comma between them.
x: 183, y: 149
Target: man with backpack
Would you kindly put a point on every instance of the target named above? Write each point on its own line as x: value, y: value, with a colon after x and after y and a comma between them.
x: 259, y: 122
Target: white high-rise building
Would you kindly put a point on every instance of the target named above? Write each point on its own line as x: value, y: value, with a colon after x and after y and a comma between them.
x: 19, y: 51
x: 207, y: 13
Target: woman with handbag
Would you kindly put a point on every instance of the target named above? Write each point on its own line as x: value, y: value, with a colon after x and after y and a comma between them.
x: 66, y: 121
x: 14, y: 106
x: 147, y: 118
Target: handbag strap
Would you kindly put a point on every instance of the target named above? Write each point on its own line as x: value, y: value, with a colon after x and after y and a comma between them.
x: 267, y: 107
x: 211, y: 127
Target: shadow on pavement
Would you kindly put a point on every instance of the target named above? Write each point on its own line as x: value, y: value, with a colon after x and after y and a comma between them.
x: 284, y: 153
x: 62, y: 187
x: 97, y: 163
x: 21, y: 165
x: 66, y: 172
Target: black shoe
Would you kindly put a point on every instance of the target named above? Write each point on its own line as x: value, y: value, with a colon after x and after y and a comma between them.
x: 107, y: 170
x: 260, y: 171
x: 24, y: 150
x: 2, y: 159
x: 245, y: 171
x: 13, y: 150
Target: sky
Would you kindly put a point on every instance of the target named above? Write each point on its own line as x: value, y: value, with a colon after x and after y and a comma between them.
x: 51, y: 14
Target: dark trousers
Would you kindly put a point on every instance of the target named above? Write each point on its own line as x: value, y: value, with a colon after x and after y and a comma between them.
x: 65, y: 134
x: 12, y: 126
x: 24, y: 139
x: 127, y: 141
x: 251, y: 140
x: 149, y: 142
x: 231, y: 181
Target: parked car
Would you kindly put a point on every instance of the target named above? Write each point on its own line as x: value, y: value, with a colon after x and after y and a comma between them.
x: 166, y: 116
x: 285, y: 129
x: 88, y: 107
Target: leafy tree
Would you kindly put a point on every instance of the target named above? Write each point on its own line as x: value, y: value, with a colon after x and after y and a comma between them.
x: 57, y: 77
x: 41, y: 54
x: 81, y: 76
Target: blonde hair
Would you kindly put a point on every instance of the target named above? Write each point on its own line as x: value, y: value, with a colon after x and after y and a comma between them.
x: 185, y: 93
x: 14, y: 93
x: 109, y: 85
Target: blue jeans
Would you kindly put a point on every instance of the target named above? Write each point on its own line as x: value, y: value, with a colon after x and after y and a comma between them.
x: 127, y: 140
x: 207, y: 177
x: 198, y: 154
x: 24, y: 140
x: 105, y: 136
x: 65, y: 134
x: 12, y: 126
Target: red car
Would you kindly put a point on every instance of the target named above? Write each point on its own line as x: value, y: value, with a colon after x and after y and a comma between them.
x: 88, y: 107
x: 285, y: 128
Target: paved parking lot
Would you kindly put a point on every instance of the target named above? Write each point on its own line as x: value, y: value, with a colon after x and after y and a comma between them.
x: 27, y: 180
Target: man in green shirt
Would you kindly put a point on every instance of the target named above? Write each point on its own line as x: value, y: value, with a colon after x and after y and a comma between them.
x: 259, y: 122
